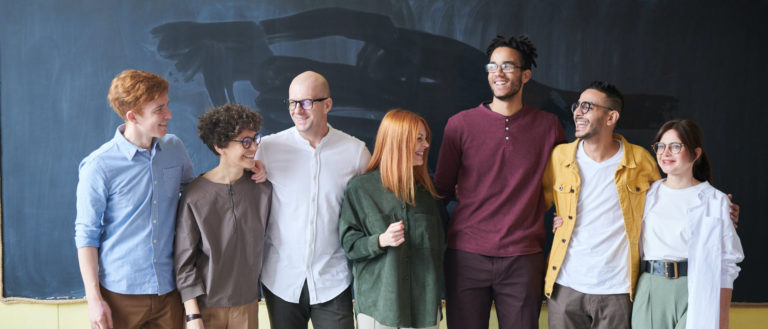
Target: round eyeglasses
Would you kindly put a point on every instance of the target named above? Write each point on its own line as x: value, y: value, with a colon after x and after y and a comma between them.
x: 306, y: 104
x: 248, y: 141
x: 584, y: 107
x: 674, y: 147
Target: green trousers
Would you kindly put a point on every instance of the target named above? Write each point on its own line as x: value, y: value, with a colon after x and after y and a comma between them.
x: 660, y: 303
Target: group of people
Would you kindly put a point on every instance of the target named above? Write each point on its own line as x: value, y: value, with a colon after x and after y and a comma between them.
x: 159, y: 248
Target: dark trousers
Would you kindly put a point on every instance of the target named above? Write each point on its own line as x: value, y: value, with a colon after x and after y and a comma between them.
x: 335, y: 313
x: 145, y: 311
x: 568, y: 308
x: 473, y: 282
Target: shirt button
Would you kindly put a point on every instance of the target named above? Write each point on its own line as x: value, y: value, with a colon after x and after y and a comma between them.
x: 154, y: 221
x: 507, y: 138
x: 155, y: 182
x: 506, y: 128
x: 155, y: 241
x: 154, y: 260
x: 313, y: 199
x: 507, y: 120
x: 154, y: 201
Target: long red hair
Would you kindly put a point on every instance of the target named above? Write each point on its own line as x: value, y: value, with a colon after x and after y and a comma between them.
x: 393, y: 155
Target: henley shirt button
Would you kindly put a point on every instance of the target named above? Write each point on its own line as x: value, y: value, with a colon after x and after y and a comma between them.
x: 507, y: 120
x: 507, y: 138
x: 506, y: 128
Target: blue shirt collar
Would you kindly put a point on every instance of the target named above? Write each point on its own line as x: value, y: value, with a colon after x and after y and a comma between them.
x: 129, y: 149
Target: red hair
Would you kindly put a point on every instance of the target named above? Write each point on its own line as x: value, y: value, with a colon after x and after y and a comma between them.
x: 393, y: 155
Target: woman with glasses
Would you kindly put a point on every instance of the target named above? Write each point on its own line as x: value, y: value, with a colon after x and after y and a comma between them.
x: 689, y: 245
x: 391, y: 227
x: 221, y: 224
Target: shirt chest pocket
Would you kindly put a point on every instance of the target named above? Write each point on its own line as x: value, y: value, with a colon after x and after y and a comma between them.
x: 171, y: 180
x: 424, y: 231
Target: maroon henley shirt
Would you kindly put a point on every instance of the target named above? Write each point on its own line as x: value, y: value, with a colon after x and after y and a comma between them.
x: 497, y: 162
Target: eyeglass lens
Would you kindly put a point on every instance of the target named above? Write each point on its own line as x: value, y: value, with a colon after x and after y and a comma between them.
x: 675, y: 148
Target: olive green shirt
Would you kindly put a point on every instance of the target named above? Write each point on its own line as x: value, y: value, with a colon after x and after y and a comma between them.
x: 397, y: 286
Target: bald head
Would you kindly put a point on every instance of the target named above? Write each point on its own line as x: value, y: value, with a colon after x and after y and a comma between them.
x: 313, y: 81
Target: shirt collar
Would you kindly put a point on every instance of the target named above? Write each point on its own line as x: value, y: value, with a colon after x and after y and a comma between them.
x: 627, y: 160
x: 129, y: 149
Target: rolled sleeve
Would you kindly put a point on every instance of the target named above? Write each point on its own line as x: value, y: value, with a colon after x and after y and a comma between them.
x: 732, y: 253
x: 91, y: 202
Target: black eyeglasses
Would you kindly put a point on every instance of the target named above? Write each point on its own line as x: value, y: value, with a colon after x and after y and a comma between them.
x: 505, y: 67
x: 248, y: 141
x: 674, y: 147
x: 584, y: 107
x: 306, y: 104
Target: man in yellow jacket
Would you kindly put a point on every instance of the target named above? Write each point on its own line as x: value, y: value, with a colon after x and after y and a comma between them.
x: 595, y: 258
x: 594, y: 262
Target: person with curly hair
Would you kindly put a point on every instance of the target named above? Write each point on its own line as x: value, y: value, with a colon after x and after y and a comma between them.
x: 221, y: 225
x: 494, y: 155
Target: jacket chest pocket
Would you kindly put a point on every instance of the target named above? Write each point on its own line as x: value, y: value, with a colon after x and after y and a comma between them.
x: 636, y: 195
x: 565, y: 196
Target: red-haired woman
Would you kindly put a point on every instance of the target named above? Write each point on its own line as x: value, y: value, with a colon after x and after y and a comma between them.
x: 391, y: 227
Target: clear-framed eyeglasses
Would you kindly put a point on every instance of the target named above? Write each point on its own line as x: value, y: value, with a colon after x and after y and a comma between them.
x: 505, y: 67
x: 674, y: 147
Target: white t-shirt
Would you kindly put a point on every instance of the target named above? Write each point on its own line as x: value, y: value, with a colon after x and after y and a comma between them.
x: 665, y: 225
x: 596, y: 259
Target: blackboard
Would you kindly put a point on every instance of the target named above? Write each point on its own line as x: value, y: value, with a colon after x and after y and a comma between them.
x: 673, y: 59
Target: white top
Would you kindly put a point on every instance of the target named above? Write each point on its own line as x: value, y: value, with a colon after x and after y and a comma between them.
x: 665, y: 234
x: 302, y: 241
x: 714, y: 249
x: 596, y: 259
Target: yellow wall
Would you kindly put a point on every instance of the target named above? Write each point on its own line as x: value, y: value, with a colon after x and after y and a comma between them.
x: 75, y: 316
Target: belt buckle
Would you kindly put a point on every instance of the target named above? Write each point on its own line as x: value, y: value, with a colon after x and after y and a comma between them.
x: 667, y: 267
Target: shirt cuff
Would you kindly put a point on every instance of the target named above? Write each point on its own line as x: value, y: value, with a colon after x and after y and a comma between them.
x: 373, y: 246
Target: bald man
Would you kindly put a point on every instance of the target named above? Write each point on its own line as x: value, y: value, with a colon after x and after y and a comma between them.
x: 305, y: 273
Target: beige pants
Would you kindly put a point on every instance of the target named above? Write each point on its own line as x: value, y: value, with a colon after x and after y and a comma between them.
x: 234, y: 317
x: 367, y: 322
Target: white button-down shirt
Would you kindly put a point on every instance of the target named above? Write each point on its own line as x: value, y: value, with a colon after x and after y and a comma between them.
x: 303, y: 231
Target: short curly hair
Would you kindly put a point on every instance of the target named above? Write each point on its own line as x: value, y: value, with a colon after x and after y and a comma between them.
x: 220, y: 125
x: 520, y: 43
x: 131, y: 89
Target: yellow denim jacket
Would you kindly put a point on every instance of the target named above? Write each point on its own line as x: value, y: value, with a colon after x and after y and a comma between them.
x: 561, y: 184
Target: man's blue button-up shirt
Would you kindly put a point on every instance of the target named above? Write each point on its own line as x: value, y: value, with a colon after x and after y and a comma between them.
x: 126, y: 207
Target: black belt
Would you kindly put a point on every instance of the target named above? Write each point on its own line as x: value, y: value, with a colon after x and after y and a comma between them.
x: 667, y: 269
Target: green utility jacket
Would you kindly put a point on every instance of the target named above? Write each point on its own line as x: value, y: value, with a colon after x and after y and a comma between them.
x: 397, y: 286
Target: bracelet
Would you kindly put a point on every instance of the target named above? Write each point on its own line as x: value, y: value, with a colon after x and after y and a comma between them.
x: 191, y: 317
